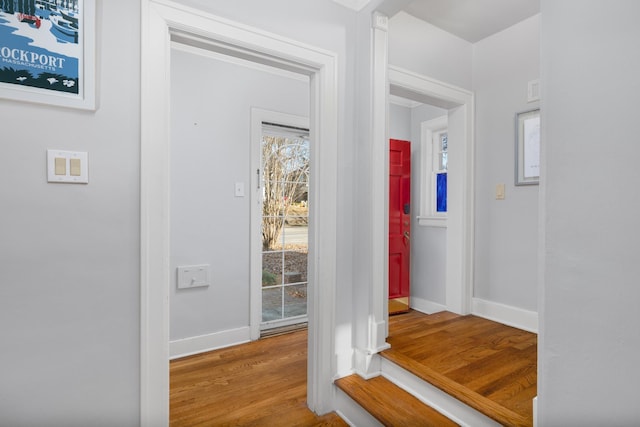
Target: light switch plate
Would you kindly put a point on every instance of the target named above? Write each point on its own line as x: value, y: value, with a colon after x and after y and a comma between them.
x: 193, y: 276
x: 239, y: 189
x: 75, y: 169
x: 533, y: 90
x: 500, y: 192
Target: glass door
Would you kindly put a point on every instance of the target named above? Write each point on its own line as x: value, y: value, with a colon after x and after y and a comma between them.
x: 285, y: 220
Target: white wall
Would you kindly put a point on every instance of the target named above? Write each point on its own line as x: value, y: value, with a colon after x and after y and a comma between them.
x: 399, y: 122
x: 589, y: 337
x: 211, y: 103
x: 428, y: 244
x: 69, y: 254
x: 420, y: 47
x: 506, y: 258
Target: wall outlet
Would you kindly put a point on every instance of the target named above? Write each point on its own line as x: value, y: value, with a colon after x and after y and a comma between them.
x: 193, y: 276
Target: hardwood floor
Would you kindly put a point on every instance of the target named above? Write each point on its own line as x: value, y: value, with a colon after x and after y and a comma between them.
x: 390, y: 404
x: 487, y: 365
x: 262, y: 383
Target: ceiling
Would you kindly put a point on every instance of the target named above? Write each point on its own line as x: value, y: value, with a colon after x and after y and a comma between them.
x: 473, y: 20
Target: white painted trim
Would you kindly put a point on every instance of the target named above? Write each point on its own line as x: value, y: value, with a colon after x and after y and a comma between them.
x: 432, y: 221
x: 509, y: 315
x: 352, y: 413
x: 428, y: 214
x: 367, y: 364
x: 425, y: 306
x: 161, y: 18
x: 154, y: 219
x: 460, y: 203
x: 377, y: 326
x: 258, y: 116
x: 403, y: 102
x: 239, y: 62
x: 203, y: 343
x: 356, y: 5
x: 442, y: 402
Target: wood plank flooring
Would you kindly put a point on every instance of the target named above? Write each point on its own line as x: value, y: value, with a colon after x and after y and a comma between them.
x: 390, y: 404
x: 262, y: 383
x: 489, y: 366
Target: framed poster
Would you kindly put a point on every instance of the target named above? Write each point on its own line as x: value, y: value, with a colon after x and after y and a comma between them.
x: 527, y: 148
x: 47, y: 52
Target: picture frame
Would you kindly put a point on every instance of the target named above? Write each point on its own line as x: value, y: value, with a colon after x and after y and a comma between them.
x: 527, y: 147
x: 47, y: 52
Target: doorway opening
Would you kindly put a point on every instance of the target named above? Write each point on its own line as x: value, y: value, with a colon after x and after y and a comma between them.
x: 163, y: 22
x: 446, y: 191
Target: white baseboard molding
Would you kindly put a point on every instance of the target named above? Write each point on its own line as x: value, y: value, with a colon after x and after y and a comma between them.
x: 203, y: 343
x: 430, y: 395
x: 352, y: 413
x: 426, y: 306
x: 509, y: 315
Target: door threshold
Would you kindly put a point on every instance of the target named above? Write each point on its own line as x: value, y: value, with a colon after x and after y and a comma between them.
x: 282, y: 330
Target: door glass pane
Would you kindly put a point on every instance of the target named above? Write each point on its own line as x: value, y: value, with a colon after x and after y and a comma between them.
x: 295, y: 300
x: 271, y: 304
x: 441, y: 192
x: 285, y: 162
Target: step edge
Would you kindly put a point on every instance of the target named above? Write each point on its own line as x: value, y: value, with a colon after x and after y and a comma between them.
x: 485, y: 406
x: 442, y: 402
x: 354, y: 393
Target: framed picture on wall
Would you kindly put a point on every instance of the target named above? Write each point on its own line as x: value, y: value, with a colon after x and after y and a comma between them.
x: 527, y: 148
x: 47, y: 52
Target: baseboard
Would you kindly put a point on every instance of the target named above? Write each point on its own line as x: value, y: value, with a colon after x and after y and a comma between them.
x: 426, y: 306
x: 203, y: 343
x: 508, y: 315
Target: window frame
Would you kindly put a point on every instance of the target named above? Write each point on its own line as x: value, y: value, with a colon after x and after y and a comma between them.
x: 429, y: 131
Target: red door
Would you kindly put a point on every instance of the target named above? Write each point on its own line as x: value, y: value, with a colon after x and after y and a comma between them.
x: 399, y: 224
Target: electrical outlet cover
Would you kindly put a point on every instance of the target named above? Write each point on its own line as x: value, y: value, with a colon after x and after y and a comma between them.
x: 193, y: 276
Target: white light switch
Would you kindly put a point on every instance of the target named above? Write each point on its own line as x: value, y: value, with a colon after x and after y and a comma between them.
x: 239, y: 189
x: 68, y: 166
x: 500, y: 192
x: 193, y: 276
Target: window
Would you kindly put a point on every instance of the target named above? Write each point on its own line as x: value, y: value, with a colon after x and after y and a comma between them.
x: 440, y: 140
x: 435, y: 160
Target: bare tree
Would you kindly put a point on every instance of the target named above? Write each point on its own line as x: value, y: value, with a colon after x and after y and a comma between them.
x: 286, y: 170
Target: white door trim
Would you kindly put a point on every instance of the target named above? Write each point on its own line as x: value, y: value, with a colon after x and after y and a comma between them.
x: 460, y: 200
x: 160, y: 20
